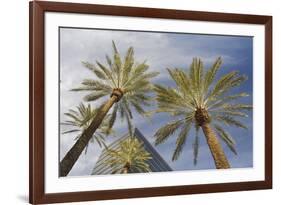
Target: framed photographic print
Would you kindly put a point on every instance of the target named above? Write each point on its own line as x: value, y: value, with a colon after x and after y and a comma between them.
x: 138, y: 102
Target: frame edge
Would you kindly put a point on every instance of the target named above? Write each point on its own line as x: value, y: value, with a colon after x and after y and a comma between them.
x: 36, y: 112
x: 268, y: 102
x: 36, y: 103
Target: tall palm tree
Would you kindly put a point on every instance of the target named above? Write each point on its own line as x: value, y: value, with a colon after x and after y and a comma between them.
x: 126, y: 83
x: 80, y: 119
x: 128, y: 156
x: 201, y: 102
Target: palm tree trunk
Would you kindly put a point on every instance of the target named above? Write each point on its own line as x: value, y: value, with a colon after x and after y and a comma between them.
x: 220, y: 159
x: 73, y: 154
x: 125, y: 170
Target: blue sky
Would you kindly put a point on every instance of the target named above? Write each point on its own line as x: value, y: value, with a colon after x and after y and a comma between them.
x: 161, y: 50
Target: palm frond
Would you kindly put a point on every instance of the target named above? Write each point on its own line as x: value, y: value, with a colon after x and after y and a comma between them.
x: 218, y: 102
x: 97, y: 85
x: 129, y: 122
x: 128, y: 64
x: 138, y: 107
x: 237, y: 107
x: 125, y: 102
x: 226, y: 138
x: 117, y: 65
x: 140, y: 69
x: 70, y: 131
x: 183, y: 83
x: 130, y: 153
x: 211, y: 73
x: 229, y: 113
x: 109, y: 62
x: 108, y: 73
x: 167, y: 130
x: 83, y: 88
x: 73, y: 116
x: 67, y: 123
x: 94, y: 96
x: 141, y: 78
x: 228, y: 120
x: 171, y: 98
x: 86, y: 148
x: 99, y: 138
x: 96, y: 71
x: 80, y: 120
x: 141, y: 98
x: 227, y: 82
x: 181, y: 140
x: 139, y: 81
x: 112, y: 119
x: 195, y: 146
x: 196, y: 74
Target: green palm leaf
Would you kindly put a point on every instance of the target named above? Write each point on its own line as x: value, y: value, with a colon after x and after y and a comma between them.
x: 94, y: 96
x: 211, y: 73
x: 130, y: 78
x: 79, y: 121
x: 228, y: 120
x: 96, y: 71
x: 195, y: 146
x: 164, y: 132
x: 226, y: 138
x: 128, y: 153
x: 181, y: 141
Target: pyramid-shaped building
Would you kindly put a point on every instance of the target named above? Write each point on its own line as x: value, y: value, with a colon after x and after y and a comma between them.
x: 156, y: 163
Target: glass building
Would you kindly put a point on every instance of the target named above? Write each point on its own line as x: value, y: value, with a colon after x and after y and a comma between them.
x: 156, y: 163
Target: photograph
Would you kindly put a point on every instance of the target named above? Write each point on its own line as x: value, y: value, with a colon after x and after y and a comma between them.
x: 136, y: 102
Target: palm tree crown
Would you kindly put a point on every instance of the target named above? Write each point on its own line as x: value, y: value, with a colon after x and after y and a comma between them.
x: 80, y: 120
x: 126, y: 83
x: 197, y: 101
x: 128, y: 156
x: 127, y: 80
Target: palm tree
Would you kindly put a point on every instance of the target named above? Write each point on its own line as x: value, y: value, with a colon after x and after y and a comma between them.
x: 128, y: 156
x: 199, y: 102
x: 79, y: 120
x: 126, y: 83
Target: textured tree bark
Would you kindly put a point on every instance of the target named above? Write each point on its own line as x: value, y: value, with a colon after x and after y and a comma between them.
x: 126, y: 168
x: 220, y: 159
x: 73, y: 154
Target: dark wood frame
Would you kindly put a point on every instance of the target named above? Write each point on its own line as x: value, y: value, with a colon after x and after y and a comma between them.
x: 36, y: 113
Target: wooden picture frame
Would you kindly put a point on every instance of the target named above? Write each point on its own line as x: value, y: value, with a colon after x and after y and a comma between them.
x: 37, y: 153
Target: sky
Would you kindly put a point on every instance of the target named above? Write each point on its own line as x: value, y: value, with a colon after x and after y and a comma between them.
x: 161, y: 51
